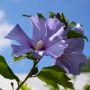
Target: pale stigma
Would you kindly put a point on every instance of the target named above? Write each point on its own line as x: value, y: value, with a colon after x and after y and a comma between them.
x: 39, y: 45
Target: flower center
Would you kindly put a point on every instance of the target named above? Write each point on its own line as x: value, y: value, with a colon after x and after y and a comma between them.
x: 39, y: 45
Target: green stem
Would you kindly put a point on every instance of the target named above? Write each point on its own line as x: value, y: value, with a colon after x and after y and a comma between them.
x: 29, y: 74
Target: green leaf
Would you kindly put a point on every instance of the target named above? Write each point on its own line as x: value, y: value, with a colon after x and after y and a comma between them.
x: 55, y: 76
x: 6, y: 71
x: 29, y: 55
x: 72, y: 24
x: 40, y: 15
x: 25, y: 87
x: 63, y: 18
x: 18, y: 58
x: 74, y: 34
x: 87, y: 86
x: 52, y: 15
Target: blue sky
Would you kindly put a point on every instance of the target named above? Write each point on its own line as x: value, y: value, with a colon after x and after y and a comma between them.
x: 74, y: 10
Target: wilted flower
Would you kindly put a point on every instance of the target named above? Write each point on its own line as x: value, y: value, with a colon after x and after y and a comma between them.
x: 73, y: 58
x: 44, y: 41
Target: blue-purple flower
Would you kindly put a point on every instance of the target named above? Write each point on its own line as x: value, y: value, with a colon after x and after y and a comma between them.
x: 44, y: 41
x: 50, y: 38
x: 73, y: 58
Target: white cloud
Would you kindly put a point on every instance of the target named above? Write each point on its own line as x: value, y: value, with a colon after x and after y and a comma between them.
x: 34, y: 83
x: 37, y: 84
x: 5, y: 83
x: 5, y: 28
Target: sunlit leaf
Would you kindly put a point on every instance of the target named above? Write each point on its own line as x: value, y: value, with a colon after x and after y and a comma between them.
x: 25, y: 87
x: 63, y: 18
x: 74, y: 34
x: 18, y: 58
x: 87, y: 86
x: 55, y: 76
x: 28, y: 55
x: 6, y: 71
x: 72, y: 24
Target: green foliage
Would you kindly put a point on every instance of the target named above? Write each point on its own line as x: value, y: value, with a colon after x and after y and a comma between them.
x: 55, y: 76
x: 18, y: 58
x: 74, y: 34
x: 63, y: 18
x: 52, y: 15
x: 6, y: 71
x: 40, y: 15
x: 25, y: 87
x: 72, y: 24
x: 59, y: 16
x: 87, y: 86
x: 86, y: 67
x: 29, y: 55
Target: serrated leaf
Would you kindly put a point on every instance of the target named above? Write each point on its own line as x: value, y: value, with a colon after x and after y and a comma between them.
x: 52, y: 15
x: 49, y: 79
x: 74, y: 34
x: 40, y: 15
x: 55, y: 76
x: 6, y: 71
x: 18, y: 58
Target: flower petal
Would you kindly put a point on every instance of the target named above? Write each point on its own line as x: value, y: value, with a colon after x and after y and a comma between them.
x: 20, y: 50
x: 37, y: 54
x: 71, y: 62
x: 56, y: 50
x: 78, y: 28
x: 59, y: 34
x: 18, y: 35
x: 53, y: 25
x: 75, y: 45
x: 56, y: 37
x: 39, y: 28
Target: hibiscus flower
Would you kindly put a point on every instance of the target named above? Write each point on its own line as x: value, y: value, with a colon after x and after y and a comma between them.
x: 73, y: 58
x: 44, y: 41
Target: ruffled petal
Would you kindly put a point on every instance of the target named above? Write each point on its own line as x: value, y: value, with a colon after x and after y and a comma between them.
x: 71, y: 62
x: 75, y: 45
x: 20, y: 50
x: 53, y: 25
x: 57, y: 49
x: 18, y: 35
x: 56, y: 37
x: 39, y: 28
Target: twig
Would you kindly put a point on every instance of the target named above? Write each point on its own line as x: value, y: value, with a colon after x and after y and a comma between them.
x: 29, y: 74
